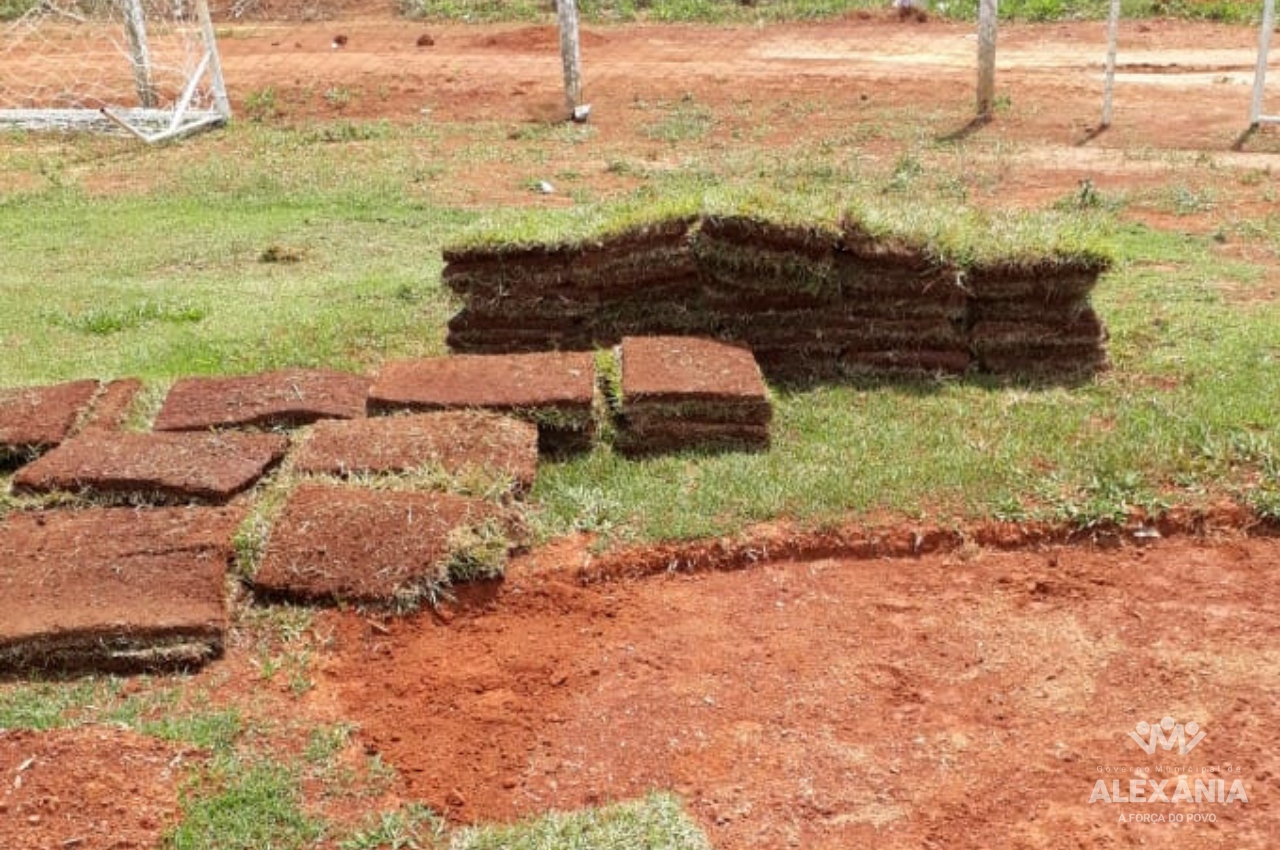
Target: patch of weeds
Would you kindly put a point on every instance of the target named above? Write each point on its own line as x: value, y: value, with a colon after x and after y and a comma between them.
x: 338, y: 97
x: 412, y: 827
x: 113, y: 319
x: 349, y: 131
x: 213, y: 730
x: 906, y: 170
x: 284, y: 643
x: 52, y: 705
x: 277, y: 253
x: 1109, y: 500
x: 325, y: 742
x: 657, y: 822
x: 1185, y: 200
x: 262, y: 104
x: 234, y: 804
x: 1087, y: 196
x: 477, y: 552
x: 686, y: 120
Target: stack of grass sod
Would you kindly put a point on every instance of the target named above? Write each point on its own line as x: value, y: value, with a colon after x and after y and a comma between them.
x: 537, y: 282
x: 678, y: 393
x: 817, y: 290
x: 1029, y: 308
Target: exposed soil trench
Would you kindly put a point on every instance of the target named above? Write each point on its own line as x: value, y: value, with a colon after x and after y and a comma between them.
x: 963, y: 700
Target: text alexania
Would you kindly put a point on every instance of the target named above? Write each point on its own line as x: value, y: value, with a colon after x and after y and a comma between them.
x: 1151, y: 791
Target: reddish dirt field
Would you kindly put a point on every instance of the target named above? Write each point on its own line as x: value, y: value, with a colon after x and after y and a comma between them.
x: 54, y: 794
x: 971, y: 699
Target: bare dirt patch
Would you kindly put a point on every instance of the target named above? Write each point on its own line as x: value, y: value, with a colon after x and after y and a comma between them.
x: 113, y: 588
x: 273, y: 400
x: 961, y: 700
x: 457, y: 443
x: 156, y: 467
x: 94, y: 788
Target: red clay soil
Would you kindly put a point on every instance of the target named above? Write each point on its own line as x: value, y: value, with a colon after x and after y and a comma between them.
x: 92, y: 788
x: 38, y: 418
x: 353, y: 544
x: 458, y: 443
x: 970, y: 699
x: 281, y: 399
x: 113, y: 405
x: 113, y: 588
x: 671, y: 369
x: 163, y: 467
x: 556, y: 380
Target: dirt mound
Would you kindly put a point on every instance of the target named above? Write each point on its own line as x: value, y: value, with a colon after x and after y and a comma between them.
x: 93, y: 788
x: 281, y: 399
x: 113, y: 588
x: 459, y: 444
x: 962, y: 700
x: 157, y: 467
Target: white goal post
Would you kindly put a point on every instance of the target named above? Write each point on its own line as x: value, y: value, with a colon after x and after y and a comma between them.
x: 1256, y: 116
x: 146, y: 67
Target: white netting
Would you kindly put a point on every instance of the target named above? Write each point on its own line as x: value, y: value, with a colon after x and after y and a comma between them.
x: 147, y: 64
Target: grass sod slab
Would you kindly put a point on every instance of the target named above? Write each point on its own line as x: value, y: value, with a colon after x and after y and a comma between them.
x: 34, y: 419
x: 685, y: 392
x: 112, y: 406
x: 285, y: 398
x: 460, y: 444
x: 155, y: 467
x: 556, y: 390
x: 352, y: 544
x: 113, y: 589
x: 1084, y: 329
x: 672, y: 369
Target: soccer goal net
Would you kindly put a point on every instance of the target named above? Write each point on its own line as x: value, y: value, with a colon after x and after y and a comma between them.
x: 147, y: 67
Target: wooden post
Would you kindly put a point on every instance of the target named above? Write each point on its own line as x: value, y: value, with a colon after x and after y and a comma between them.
x: 571, y: 56
x: 1260, y: 72
x: 1113, y: 35
x: 135, y: 28
x: 987, y: 10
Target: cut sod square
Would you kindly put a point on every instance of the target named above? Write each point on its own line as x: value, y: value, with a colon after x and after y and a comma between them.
x: 113, y: 589
x: 685, y: 392
x: 383, y: 547
x: 467, y: 448
x: 555, y: 390
x: 157, y: 467
x: 681, y: 370
x: 35, y: 419
x: 282, y: 399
